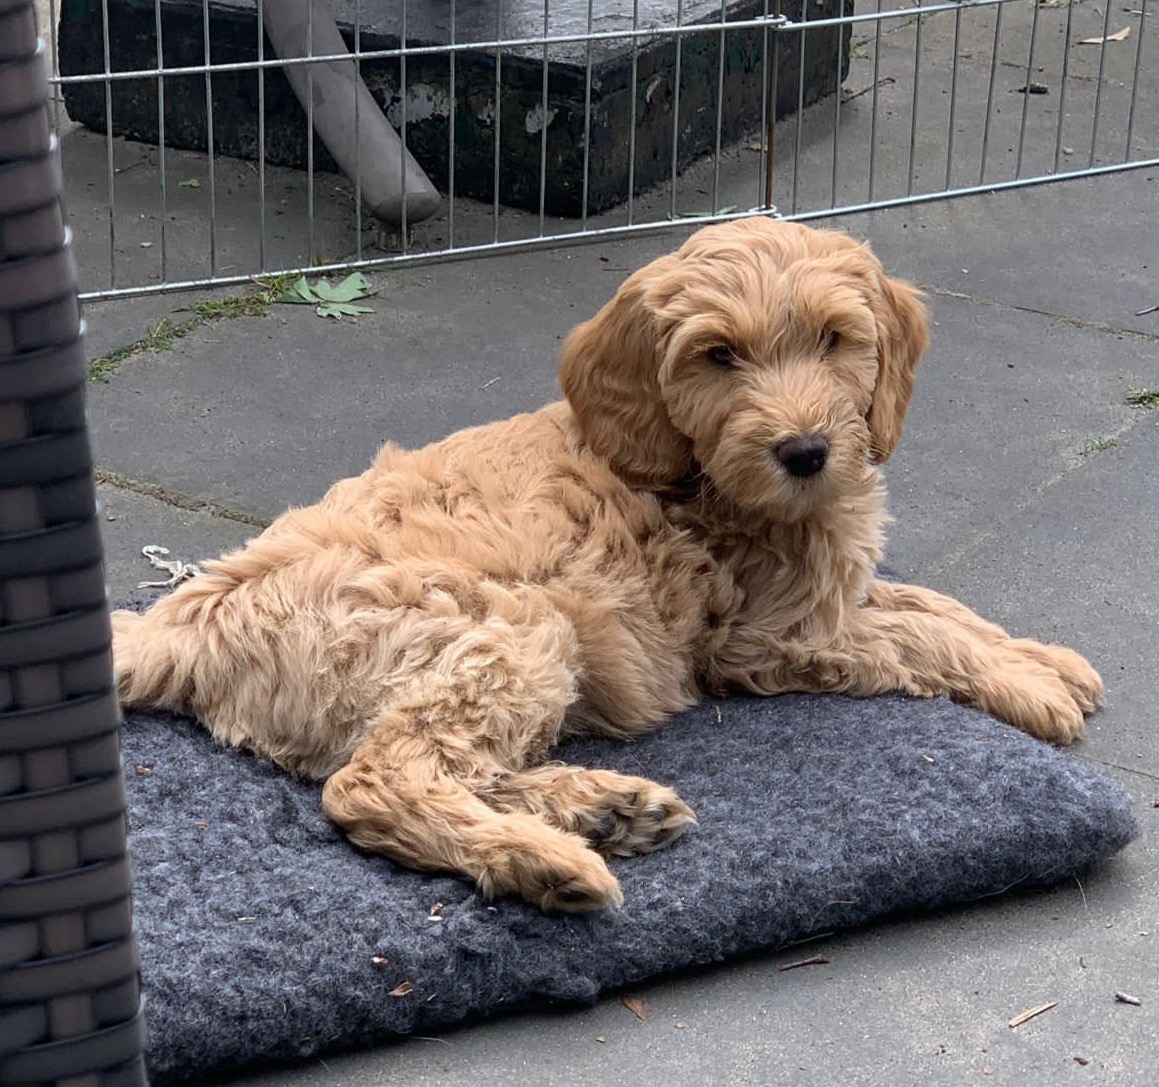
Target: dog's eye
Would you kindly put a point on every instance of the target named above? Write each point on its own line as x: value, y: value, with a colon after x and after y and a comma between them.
x: 830, y: 340
x: 723, y: 356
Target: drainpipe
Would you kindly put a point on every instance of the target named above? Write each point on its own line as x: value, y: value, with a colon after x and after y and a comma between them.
x: 371, y: 152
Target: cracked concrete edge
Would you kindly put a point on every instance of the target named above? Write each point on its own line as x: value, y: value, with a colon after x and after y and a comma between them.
x: 175, y: 499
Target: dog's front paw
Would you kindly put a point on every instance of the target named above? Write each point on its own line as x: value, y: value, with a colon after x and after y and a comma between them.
x: 1031, y: 696
x: 1081, y: 680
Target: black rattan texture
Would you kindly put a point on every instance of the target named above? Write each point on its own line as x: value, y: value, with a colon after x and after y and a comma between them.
x: 69, y: 989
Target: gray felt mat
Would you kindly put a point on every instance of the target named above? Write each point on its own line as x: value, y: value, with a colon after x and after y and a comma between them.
x: 264, y: 936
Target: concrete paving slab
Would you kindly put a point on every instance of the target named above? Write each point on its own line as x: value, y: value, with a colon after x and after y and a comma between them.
x: 132, y: 521
x: 113, y: 324
x: 1005, y: 402
x: 216, y: 218
x: 268, y: 412
x: 935, y: 104
x: 1036, y: 249
x: 1073, y: 567
x: 993, y: 417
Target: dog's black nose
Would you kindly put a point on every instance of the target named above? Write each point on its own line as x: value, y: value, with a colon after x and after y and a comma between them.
x: 803, y: 456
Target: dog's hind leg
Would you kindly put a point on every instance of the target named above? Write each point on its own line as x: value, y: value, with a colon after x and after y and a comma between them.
x: 398, y: 799
x: 617, y: 814
x: 494, y: 697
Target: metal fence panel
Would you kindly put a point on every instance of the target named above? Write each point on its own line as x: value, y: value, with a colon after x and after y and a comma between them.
x: 550, y: 122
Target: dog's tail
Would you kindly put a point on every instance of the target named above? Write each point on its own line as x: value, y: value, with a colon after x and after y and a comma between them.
x: 150, y: 662
x: 159, y: 656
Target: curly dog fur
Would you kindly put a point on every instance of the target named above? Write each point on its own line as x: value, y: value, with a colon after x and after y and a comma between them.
x: 704, y: 512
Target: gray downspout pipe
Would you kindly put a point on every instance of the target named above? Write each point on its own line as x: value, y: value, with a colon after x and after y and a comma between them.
x: 370, y: 152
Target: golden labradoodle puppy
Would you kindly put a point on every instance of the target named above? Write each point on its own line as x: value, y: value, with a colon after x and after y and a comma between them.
x: 703, y: 512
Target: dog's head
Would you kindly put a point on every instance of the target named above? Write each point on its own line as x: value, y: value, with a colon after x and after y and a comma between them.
x: 777, y: 359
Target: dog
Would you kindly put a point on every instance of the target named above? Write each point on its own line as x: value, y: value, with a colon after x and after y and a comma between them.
x: 702, y: 513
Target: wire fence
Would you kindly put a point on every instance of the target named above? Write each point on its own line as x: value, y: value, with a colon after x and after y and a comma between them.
x: 552, y: 122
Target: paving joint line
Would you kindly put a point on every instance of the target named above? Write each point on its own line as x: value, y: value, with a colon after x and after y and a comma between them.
x: 164, y: 334
x: 176, y: 499
x: 1074, y: 322
x: 943, y: 564
x: 1147, y: 775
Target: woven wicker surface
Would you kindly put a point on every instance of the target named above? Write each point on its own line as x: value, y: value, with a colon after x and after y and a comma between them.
x: 69, y: 992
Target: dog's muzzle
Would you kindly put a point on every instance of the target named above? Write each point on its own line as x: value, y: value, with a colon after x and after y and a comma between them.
x: 802, y: 456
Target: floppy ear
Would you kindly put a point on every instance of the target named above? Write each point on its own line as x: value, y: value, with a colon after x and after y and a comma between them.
x: 903, y: 334
x: 609, y: 373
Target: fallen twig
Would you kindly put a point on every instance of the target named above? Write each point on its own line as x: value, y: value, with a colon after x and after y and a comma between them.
x: 865, y: 90
x: 1030, y: 1013
x: 814, y: 960
x: 1127, y: 998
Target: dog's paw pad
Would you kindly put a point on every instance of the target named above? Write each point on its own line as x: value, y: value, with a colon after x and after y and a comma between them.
x: 641, y: 820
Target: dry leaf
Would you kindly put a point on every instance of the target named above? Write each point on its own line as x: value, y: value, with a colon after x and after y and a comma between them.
x: 1118, y: 36
x: 600, y: 1038
x: 680, y: 1026
x: 405, y: 989
x: 1082, y: 1060
x: 1030, y: 1013
x: 635, y: 1004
